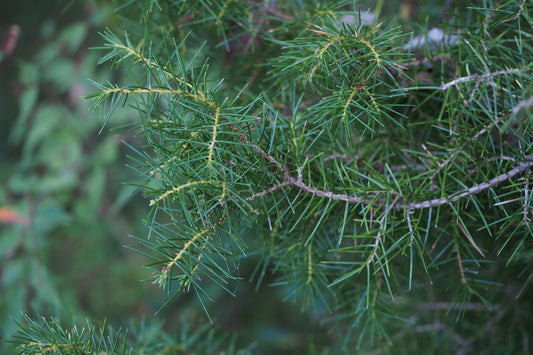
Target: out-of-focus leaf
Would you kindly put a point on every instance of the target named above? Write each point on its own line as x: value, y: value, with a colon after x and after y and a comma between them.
x: 61, y: 73
x: 60, y: 150
x: 46, y: 120
x: 9, y: 240
x: 65, y: 180
x: 50, y: 216
x: 49, y: 53
x: 27, y: 102
x: 28, y: 73
x: 72, y: 36
x: 93, y: 189
x: 12, y: 273
x: 43, y: 284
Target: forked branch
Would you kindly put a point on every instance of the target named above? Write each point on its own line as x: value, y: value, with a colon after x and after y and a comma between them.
x: 289, y: 180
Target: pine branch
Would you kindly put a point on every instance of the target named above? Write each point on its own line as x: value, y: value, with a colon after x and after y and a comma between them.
x: 318, y: 155
x: 51, y: 337
x: 473, y: 190
x: 477, y: 77
x: 408, y: 206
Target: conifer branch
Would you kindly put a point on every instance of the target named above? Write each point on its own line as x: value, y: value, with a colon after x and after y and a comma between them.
x: 460, y: 263
x: 214, y: 137
x: 324, y: 155
x: 187, y: 185
x: 473, y: 190
x: 114, y: 43
x: 460, y: 150
x: 480, y: 77
x: 289, y: 180
x: 161, y: 279
x: 309, y: 265
x: 118, y: 90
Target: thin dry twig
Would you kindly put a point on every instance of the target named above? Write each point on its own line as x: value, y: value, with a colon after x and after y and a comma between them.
x: 520, y: 10
x: 526, y: 201
x: 460, y: 262
x: 410, y: 225
x: 469, y: 237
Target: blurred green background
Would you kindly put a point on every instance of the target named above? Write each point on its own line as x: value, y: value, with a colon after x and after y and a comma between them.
x: 65, y: 210
x: 68, y: 204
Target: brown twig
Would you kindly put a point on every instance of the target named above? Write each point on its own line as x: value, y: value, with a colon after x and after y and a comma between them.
x: 520, y: 10
x: 526, y: 201
x: 410, y: 226
x: 460, y: 262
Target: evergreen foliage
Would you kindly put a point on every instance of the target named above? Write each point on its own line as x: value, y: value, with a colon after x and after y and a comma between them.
x: 50, y: 337
x: 382, y: 178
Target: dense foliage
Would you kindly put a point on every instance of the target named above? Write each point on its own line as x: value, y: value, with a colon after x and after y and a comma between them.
x: 373, y: 169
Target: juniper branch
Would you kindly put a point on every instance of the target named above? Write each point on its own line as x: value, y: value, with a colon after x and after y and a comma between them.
x: 289, y: 180
x: 521, y: 168
x: 480, y: 77
x: 343, y: 82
